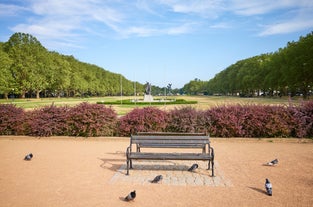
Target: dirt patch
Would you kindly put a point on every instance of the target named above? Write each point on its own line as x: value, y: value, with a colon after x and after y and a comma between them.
x: 79, y: 172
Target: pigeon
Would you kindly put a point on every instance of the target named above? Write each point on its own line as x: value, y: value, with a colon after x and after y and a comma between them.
x: 268, y: 187
x: 28, y: 157
x: 157, y: 179
x: 273, y: 162
x: 193, y: 167
x: 131, y: 196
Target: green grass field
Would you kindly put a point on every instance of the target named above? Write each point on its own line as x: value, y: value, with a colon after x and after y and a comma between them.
x: 203, y: 102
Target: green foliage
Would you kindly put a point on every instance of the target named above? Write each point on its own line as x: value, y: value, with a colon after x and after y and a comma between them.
x: 286, y: 72
x: 27, y: 69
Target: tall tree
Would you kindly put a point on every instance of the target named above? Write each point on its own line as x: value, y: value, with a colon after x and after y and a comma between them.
x: 28, y: 66
x: 7, y: 83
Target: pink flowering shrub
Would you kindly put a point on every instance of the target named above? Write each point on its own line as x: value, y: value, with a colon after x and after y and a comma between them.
x: 302, y: 120
x: 142, y: 120
x: 185, y: 119
x: 47, y: 121
x: 11, y: 120
x: 90, y: 120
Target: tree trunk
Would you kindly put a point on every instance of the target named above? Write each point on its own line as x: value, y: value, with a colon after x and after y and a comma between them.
x: 38, y: 94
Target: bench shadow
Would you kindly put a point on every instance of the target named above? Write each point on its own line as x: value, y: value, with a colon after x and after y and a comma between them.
x: 266, y: 165
x: 257, y: 190
x: 160, y: 167
x: 113, y: 164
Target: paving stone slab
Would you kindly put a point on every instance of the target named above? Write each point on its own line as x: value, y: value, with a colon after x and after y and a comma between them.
x: 173, y: 172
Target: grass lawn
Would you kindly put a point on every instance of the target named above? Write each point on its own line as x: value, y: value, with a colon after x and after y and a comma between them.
x: 203, y: 102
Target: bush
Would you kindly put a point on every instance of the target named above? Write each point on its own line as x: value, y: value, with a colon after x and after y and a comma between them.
x: 142, y: 120
x: 185, y: 119
x: 97, y: 120
x: 302, y: 123
x: 11, y: 120
x: 47, y: 121
x: 249, y: 121
x: 90, y: 120
x: 224, y: 121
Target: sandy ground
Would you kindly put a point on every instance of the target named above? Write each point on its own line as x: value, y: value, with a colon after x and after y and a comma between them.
x: 78, y: 172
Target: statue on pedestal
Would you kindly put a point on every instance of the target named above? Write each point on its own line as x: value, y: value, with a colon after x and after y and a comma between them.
x: 148, y: 88
x: 148, y: 97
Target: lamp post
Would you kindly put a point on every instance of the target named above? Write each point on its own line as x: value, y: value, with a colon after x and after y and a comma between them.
x: 135, y: 92
x: 13, y: 94
x: 121, y: 91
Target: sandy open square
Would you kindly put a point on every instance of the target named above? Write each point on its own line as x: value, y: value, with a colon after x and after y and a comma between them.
x: 91, y: 172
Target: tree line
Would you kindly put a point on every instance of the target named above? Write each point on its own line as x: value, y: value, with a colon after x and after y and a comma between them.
x: 288, y: 71
x: 29, y: 70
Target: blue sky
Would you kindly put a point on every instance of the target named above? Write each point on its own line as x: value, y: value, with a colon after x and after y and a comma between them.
x: 159, y: 41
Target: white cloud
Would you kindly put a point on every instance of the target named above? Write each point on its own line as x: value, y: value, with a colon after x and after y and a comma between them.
x: 221, y: 25
x: 257, y: 7
x: 71, y: 20
x: 10, y: 10
x: 181, y: 29
x: 209, y: 9
x: 287, y: 27
x: 298, y: 20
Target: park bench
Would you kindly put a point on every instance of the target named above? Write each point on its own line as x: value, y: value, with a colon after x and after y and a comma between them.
x: 170, y: 140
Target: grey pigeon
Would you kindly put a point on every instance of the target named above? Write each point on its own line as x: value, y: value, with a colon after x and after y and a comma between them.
x: 131, y: 196
x: 157, y: 179
x: 268, y: 187
x: 273, y: 162
x: 28, y: 157
x: 193, y: 167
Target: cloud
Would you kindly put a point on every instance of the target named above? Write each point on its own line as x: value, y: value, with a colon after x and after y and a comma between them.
x: 287, y: 27
x: 70, y: 21
x: 10, y: 10
x: 256, y: 7
x: 297, y: 20
x: 208, y: 9
x: 221, y: 25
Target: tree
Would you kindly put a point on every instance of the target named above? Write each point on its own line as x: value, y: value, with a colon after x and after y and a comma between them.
x: 7, y: 83
x: 28, y: 66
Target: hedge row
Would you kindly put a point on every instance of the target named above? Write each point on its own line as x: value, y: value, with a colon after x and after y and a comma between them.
x: 98, y: 120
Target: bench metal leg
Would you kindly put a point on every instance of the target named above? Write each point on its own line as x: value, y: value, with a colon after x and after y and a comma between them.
x: 212, y: 154
x: 127, y: 170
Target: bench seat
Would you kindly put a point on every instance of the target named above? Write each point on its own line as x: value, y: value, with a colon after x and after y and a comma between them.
x: 169, y: 156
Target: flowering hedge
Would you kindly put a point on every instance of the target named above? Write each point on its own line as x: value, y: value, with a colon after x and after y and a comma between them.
x: 98, y: 120
x: 91, y: 120
x: 47, y: 121
x: 142, y: 120
x: 11, y: 119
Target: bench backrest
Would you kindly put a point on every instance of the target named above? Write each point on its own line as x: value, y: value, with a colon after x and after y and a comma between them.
x: 170, y: 139
x: 171, y: 134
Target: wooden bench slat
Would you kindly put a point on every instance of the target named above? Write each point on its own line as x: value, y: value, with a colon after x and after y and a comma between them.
x: 170, y: 156
x: 169, y: 145
x: 153, y: 137
x: 172, y: 141
x: 172, y: 133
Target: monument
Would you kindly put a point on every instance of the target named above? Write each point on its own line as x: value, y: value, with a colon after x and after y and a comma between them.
x: 147, y: 96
